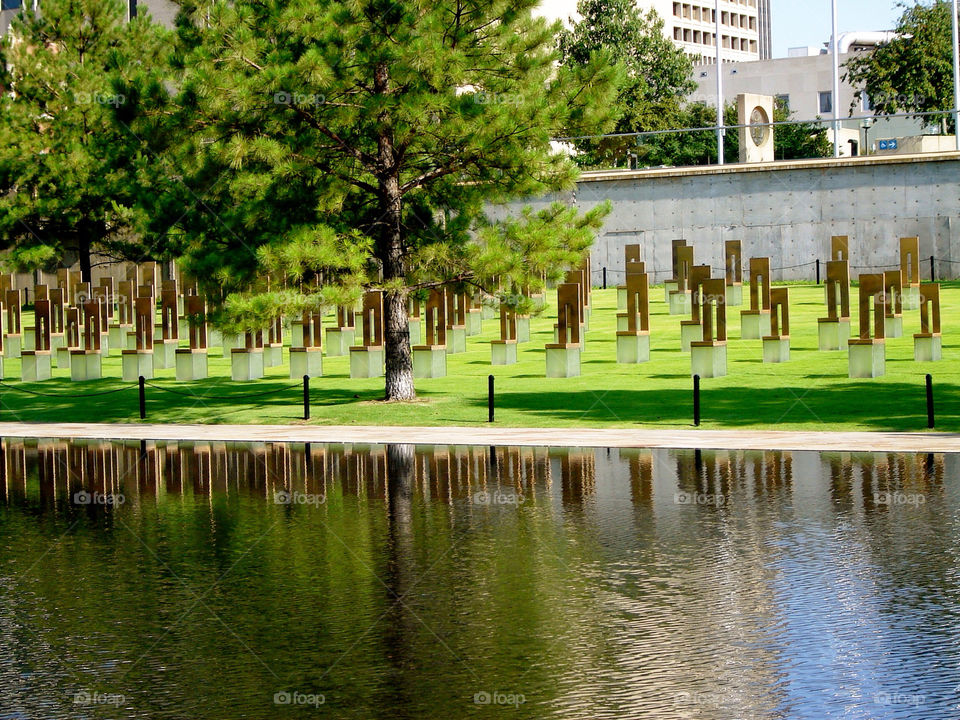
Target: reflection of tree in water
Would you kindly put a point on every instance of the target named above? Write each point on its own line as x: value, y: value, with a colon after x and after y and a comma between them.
x: 398, y: 629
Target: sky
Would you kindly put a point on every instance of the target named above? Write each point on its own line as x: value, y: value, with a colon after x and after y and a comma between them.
x: 796, y: 22
x: 807, y: 22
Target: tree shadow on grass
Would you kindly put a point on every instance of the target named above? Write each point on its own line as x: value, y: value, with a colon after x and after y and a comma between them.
x: 887, y: 406
x: 203, y: 401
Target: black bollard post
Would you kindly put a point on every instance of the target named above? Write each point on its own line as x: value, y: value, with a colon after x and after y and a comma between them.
x: 604, y: 278
x: 930, y: 418
x: 306, y: 397
x: 490, y: 398
x: 143, y: 399
x: 818, y: 271
x: 696, y: 400
x: 933, y: 276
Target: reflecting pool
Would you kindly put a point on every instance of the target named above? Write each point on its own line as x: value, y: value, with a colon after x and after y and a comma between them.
x: 216, y: 581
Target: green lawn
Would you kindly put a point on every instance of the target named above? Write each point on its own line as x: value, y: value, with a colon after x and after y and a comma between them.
x: 811, y: 392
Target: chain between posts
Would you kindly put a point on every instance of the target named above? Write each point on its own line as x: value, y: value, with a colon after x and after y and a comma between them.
x: 61, y: 395
x: 197, y: 396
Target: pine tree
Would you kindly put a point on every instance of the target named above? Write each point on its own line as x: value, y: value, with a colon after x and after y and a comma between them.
x: 335, y: 146
x: 70, y: 168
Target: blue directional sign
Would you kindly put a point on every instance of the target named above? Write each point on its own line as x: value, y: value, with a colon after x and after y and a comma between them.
x: 887, y: 144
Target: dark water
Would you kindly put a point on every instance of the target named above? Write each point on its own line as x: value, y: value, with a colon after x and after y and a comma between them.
x: 275, y: 581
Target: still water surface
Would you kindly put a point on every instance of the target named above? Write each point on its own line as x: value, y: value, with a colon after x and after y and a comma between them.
x: 217, y: 581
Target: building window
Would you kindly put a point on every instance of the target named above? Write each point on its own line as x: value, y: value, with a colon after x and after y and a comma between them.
x: 10, y: 4
x: 866, y: 102
x: 826, y: 101
x: 783, y: 102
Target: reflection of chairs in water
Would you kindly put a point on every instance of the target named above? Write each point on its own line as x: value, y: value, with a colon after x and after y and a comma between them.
x: 448, y: 473
x: 776, y: 472
x: 444, y: 473
x: 578, y: 479
x: 521, y: 467
x: 701, y: 471
x: 719, y: 472
x: 640, y: 471
x: 875, y: 475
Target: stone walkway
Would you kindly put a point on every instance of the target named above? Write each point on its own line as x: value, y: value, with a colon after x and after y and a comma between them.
x: 538, y: 437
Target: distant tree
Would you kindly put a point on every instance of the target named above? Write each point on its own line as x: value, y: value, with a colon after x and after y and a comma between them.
x: 339, y: 145
x: 689, y: 147
x: 799, y: 141
x: 71, y: 170
x: 914, y: 72
x: 658, y: 74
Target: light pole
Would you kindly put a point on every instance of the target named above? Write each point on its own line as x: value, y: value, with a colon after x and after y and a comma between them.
x: 720, y: 88
x: 956, y: 78
x: 866, y: 125
x: 835, y: 49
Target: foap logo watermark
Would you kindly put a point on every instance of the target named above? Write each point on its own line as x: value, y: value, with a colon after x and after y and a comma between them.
x: 686, y: 498
x: 702, y: 298
x: 82, y: 497
x: 900, y: 100
x: 899, y: 498
x: 87, y: 698
x: 293, y: 697
x: 499, y: 698
x: 496, y: 498
x: 698, y: 698
x: 489, y: 98
x: 899, y: 698
x: 285, y: 497
x: 298, y: 99
x: 112, y: 99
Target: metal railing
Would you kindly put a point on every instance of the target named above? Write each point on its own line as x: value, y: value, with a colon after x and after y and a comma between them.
x: 881, y: 135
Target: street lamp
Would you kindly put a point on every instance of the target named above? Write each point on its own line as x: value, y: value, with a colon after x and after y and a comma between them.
x: 720, y: 128
x: 835, y: 51
x: 956, y: 77
x: 866, y: 125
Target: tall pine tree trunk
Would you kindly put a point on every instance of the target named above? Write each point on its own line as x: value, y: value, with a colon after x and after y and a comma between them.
x: 397, y: 355
x: 398, y: 359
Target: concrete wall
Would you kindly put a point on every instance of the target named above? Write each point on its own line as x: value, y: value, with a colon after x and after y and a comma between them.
x: 786, y: 210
